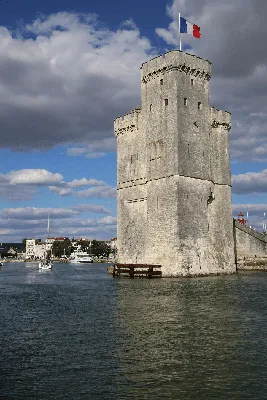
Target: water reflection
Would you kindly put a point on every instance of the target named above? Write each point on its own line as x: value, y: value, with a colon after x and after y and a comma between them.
x: 75, y: 332
x: 192, y: 338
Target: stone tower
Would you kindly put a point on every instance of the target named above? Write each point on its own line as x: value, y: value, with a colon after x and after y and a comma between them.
x: 174, y: 182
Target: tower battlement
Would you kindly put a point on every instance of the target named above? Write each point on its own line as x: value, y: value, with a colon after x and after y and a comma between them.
x: 220, y: 118
x: 176, y: 60
x: 128, y: 122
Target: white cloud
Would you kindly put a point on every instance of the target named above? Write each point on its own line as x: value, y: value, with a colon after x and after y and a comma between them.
x: 23, y: 184
x: 61, y: 191
x: 97, y: 209
x: 17, y: 223
x: 14, y: 193
x: 45, y: 102
x: 76, y: 151
x: 99, y: 191
x: 37, y: 177
x: 109, y: 220
x: 35, y: 213
x: 250, y: 182
x: 95, y: 149
x: 85, y: 182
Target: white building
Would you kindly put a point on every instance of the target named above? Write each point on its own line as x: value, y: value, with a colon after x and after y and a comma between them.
x: 49, y: 243
x: 40, y: 250
x: 113, y: 243
x: 30, y: 248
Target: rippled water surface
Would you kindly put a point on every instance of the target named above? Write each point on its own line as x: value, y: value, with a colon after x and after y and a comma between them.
x: 77, y: 333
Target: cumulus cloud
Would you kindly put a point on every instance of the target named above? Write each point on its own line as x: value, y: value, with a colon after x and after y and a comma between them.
x: 103, y: 191
x: 37, y: 177
x: 14, y: 193
x: 35, y: 213
x: 239, y: 62
x: 23, y: 185
x: 61, y: 191
x: 45, y: 102
x: 99, y: 191
x: 31, y: 222
x: 95, y: 149
x: 85, y: 182
x: 250, y: 182
x: 92, y: 208
x: 109, y: 220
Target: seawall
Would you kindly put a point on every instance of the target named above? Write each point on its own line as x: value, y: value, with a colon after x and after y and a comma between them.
x: 250, y: 248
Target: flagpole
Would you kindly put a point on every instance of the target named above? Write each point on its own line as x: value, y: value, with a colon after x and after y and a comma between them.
x: 179, y: 27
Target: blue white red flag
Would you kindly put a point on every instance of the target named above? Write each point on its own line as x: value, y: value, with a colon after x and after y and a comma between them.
x: 188, y: 27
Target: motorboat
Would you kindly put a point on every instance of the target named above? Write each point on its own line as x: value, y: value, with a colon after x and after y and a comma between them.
x: 45, y: 264
x: 80, y: 257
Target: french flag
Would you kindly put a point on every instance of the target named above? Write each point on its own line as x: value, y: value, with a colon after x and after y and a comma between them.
x: 188, y: 27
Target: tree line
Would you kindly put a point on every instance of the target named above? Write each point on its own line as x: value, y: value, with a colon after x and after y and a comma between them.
x: 61, y: 248
x: 94, y: 248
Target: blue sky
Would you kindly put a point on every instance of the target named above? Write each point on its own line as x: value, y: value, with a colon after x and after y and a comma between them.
x: 67, y: 69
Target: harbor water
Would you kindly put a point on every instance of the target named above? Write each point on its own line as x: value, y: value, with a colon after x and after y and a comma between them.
x: 77, y: 333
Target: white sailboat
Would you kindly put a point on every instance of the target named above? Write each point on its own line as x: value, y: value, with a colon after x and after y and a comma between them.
x: 46, y: 264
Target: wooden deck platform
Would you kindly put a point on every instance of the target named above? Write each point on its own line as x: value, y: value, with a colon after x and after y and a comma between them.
x: 137, y: 271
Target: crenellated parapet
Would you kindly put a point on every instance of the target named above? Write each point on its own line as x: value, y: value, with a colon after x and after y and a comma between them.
x: 128, y: 123
x: 179, y: 61
x: 220, y: 118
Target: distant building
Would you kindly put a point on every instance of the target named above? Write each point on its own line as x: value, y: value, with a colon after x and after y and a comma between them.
x: 60, y: 239
x: 12, y: 251
x: 49, y: 243
x: 113, y: 243
x: 21, y: 256
x: 30, y: 248
x: 40, y: 250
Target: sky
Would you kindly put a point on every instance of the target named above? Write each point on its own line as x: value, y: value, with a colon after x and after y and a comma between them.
x: 68, y: 69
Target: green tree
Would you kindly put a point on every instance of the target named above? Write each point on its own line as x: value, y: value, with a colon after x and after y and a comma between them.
x: 61, y: 247
x: 100, y: 249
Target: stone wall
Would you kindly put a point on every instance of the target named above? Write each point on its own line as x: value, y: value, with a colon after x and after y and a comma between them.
x: 250, y: 247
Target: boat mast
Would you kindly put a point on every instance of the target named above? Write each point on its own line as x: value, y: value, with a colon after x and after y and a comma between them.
x: 48, y: 225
